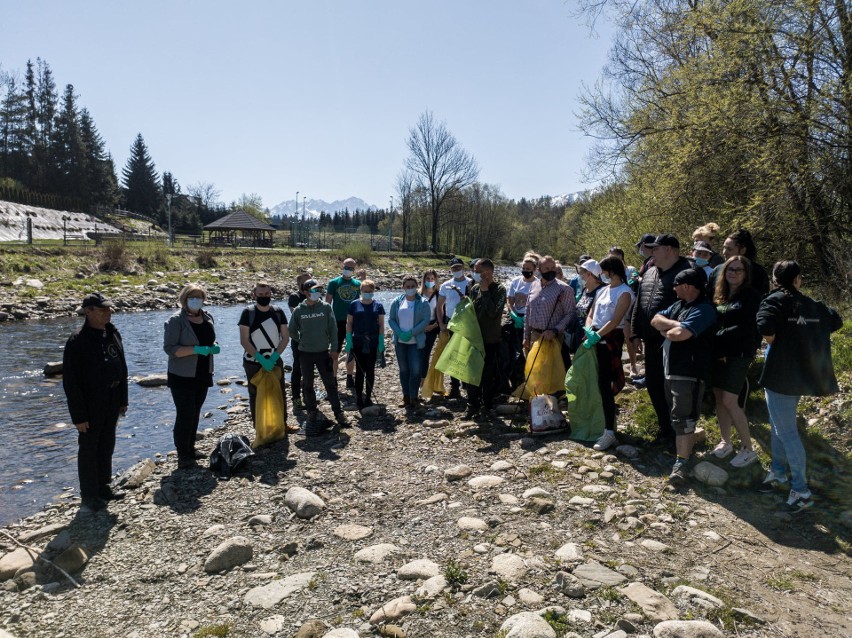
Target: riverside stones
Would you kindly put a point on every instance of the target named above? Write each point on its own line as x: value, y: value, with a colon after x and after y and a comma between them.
x: 20, y: 558
x: 303, y: 502
x: 72, y: 559
x: 422, y: 568
x: 352, y: 532
x: 484, y: 482
x: 509, y: 567
x: 594, y: 575
x: 529, y: 597
x: 654, y: 546
x: 267, y: 596
x: 376, y: 554
x: 569, y: 553
x: 152, y: 380
x: 393, y: 610
x: 686, y: 629
x: 527, y: 624
x: 569, y: 585
x: 457, y: 472
x: 473, y: 524
x: 710, y: 474
x: 684, y: 591
x: 656, y: 606
x: 229, y: 554
x: 137, y: 474
x: 341, y: 632
x: 432, y: 587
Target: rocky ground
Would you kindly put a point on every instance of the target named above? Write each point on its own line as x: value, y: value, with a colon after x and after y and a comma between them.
x: 426, y: 524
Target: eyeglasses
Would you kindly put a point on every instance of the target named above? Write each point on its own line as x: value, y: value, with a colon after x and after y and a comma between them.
x: 736, y: 270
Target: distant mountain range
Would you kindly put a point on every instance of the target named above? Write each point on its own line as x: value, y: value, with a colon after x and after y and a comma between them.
x: 568, y: 199
x: 313, y: 207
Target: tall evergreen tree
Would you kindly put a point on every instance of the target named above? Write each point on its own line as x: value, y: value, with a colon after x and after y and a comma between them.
x: 67, y: 157
x: 13, y: 143
x: 101, y: 183
x: 142, y: 190
x: 47, y: 101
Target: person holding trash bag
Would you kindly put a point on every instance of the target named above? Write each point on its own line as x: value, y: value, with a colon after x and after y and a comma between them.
x: 798, y: 362
x: 365, y: 339
x: 408, y: 318
x: 429, y: 292
x: 95, y: 382
x: 264, y: 336
x: 189, y: 339
x: 315, y: 328
x: 605, y: 333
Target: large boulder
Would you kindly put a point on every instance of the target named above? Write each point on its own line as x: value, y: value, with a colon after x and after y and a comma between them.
x: 229, y: 554
x: 527, y: 624
x: 303, y: 502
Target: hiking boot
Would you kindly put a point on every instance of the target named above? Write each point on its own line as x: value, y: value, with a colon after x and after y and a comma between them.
x: 772, y: 483
x: 798, y: 501
x: 606, y: 441
x: 678, y: 476
x: 405, y: 402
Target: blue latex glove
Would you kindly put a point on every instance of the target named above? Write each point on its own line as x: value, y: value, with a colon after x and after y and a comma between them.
x: 274, y: 357
x: 348, y: 346
x: 405, y: 335
x: 592, y: 338
x: 264, y: 361
x: 517, y: 319
x: 203, y: 350
x: 381, y: 347
x: 215, y: 349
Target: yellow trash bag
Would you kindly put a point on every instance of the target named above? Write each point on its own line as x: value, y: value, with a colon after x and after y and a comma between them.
x: 434, y: 381
x: 544, y: 372
x: 269, y: 407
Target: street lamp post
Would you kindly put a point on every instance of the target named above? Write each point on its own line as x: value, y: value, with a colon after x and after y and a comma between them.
x: 169, y: 207
x: 390, y: 226
x: 65, y: 230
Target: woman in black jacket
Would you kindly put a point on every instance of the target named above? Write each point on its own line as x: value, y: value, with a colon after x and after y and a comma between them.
x: 734, y: 346
x: 798, y: 362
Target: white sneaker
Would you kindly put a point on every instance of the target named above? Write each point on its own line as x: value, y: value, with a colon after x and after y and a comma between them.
x: 606, y: 441
x: 744, y: 457
x: 723, y: 449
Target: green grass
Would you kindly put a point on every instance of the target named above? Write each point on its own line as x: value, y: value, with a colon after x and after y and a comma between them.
x: 559, y: 622
x: 455, y: 574
x: 212, y: 631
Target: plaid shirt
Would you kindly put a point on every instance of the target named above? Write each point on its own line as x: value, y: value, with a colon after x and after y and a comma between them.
x: 549, y: 308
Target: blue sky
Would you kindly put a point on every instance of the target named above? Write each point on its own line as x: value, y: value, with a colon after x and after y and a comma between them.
x: 318, y: 96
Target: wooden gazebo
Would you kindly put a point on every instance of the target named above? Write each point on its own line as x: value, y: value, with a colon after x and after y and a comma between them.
x: 240, y: 229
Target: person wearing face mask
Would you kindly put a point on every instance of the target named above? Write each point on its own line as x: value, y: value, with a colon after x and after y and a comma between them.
x: 516, y: 303
x: 296, y: 375
x: 702, y: 255
x: 189, y: 340
x: 408, y: 318
x: 341, y: 292
x: 365, y: 339
x: 264, y: 337
x: 550, y: 307
x: 429, y: 292
x: 95, y: 382
x: 708, y: 233
x: 314, y: 326
x: 488, y: 297
x: 646, y: 252
x: 449, y: 295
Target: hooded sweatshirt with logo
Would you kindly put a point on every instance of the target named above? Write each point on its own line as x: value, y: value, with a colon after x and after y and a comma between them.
x: 314, y: 327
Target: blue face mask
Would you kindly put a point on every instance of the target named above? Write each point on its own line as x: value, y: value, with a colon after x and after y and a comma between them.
x: 477, y: 277
x: 430, y: 284
x: 700, y: 261
x: 194, y: 303
x: 410, y: 292
x: 458, y: 275
x: 367, y: 296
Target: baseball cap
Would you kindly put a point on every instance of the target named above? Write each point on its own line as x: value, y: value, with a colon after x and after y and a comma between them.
x: 592, y: 266
x: 583, y: 258
x: 311, y: 283
x: 647, y: 238
x: 665, y: 240
x: 455, y: 261
x: 96, y: 300
x: 693, y: 277
x: 702, y: 245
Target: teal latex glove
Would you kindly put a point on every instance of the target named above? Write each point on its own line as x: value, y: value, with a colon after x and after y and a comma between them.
x: 265, y: 362
x: 348, y: 347
x: 517, y: 319
x: 405, y: 335
x: 203, y: 350
x: 381, y: 347
x: 592, y: 338
x: 215, y: 349
x: 274, y: 357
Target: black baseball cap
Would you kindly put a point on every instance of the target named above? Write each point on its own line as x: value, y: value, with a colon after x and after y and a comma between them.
x: 583, y: 258
x: 665, y: 240
x: 693, y: 277
x: 96, y: 300
x: 647, y: 238
x: 310, y: 283
x: 455, y: 261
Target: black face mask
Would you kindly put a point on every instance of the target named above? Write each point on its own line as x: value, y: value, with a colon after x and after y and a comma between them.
x: 527, y: 273
x: 263, y: 301
x: 549, y: 276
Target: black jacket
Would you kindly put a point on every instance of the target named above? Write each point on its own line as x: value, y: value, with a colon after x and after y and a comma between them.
x: 759, y: 279
x: 94, y: 374
x: 736, y: 330
x: 656, y: 293
x: 799, y: 359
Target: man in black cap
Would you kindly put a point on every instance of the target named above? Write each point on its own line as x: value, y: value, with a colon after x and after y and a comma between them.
x: 644, y: 246
x: 94, y: 376
x: 687, y: 355
x: 656, y: 293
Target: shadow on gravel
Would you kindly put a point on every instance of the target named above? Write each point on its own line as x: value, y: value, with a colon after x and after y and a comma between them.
x: 271, y: 462
x: 90, y: 531
x: 182, y: 490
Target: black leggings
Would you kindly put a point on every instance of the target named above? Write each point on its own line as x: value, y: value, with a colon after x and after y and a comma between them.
x: 188, y: 396
x: 365, y: 370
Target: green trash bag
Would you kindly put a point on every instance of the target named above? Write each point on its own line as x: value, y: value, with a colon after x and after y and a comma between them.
x: 464, y: 356
x: 585, y: 407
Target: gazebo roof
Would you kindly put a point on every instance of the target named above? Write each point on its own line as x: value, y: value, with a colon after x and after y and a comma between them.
x: 239, y: 220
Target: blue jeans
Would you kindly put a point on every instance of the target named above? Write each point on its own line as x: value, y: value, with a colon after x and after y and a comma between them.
x: 787, y: 448
x: 408, y: 360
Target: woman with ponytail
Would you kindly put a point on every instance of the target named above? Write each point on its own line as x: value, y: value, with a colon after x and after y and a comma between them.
x: 798, y: 362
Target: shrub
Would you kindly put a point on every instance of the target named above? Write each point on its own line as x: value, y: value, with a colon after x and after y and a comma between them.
x: 455, y: 574
x: 206, y: 259
x: 359, y: 251
x: 115, y: 256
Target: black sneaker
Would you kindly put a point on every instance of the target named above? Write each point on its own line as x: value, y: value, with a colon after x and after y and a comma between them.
x: 92, y: 505
x: 341, y: 419
x: 350, y: 382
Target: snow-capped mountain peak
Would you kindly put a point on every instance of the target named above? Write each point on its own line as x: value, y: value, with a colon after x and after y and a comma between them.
x: 313, y: 207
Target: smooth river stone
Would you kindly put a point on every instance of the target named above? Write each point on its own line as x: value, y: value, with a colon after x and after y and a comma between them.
x: 352, y: 532
x: 484, y: 482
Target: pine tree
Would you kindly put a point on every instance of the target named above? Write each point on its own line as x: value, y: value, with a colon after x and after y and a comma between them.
x: 101, y: 183
x: 142, y: 191
x: 67, y: 153
x: 13, y: 143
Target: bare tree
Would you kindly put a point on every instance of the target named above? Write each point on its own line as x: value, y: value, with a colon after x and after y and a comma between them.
x: 441, y: 165
x: 206, y: 192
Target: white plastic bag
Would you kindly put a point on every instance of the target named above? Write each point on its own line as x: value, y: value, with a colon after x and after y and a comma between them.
x: 545, y: 415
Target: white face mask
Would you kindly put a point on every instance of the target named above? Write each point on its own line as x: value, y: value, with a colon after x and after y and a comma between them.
x: 348, y: 272
x: 604, y: 278
x: 194, y: 303
x: 477, y: 277
x: 458, y: 275
x: 316, y: 296
x: 410, y: 292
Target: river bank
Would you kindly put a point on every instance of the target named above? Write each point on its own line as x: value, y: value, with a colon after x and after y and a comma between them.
x: 453, y: 527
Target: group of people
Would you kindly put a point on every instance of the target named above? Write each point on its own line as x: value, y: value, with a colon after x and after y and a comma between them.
x: 697, y: 318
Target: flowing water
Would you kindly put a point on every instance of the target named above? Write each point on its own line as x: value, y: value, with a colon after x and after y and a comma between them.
x: 38, y: 443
